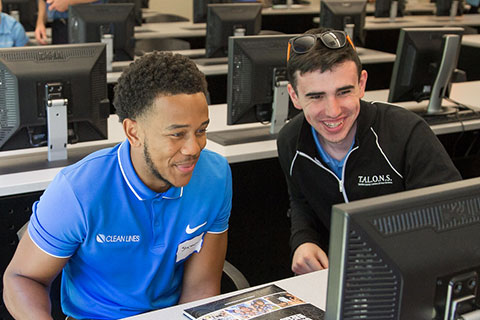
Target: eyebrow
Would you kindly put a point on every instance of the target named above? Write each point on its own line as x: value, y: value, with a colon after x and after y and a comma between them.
x: 181, y: 126
x: 316, y: 93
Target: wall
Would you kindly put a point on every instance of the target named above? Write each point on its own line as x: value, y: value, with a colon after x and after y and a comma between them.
x: 181, y: 7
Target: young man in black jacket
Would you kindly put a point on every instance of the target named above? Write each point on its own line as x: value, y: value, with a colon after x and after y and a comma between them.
x: 342, y: 148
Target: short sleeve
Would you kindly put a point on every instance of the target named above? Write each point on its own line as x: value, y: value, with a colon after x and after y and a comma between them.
x: 221, y: 222
x: 57, y: 225
x: 19, y: 35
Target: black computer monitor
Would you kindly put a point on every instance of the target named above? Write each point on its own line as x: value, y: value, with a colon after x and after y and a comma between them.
x: 27, y: 11
x: 138, y: 9
x: 200, y: 8
x: 417, y: 72
x: 225, y: 20
x: 339, y: 15
x: 253, y: 90
x: 88, y: 22
x: 382, y: 8
x: 409, y: 255
x: 35, y: 79
x: 443, y: 7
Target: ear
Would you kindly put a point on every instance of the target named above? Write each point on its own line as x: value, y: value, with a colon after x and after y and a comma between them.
x: 293, y: 96
x: 362, y: 82
x: 132, y: 131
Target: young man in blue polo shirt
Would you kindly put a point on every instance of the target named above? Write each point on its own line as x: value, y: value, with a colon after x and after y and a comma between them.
x: 139, y: 226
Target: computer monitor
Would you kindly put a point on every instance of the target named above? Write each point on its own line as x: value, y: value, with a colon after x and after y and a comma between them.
x: 26, y: 10
x: 409, y: 255
x: 138, y: 9
x: 383, y: 7
x: 345, y: 15
x: 89, y: 22
x: 256, y: 88
x: 200, y: 8
x: 424, y: 64
x: 225, y: 20
x: 444, y: 7
x: 56, y: 83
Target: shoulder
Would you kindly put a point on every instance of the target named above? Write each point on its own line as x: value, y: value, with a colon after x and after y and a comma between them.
x: 211, y: 164
x: 391, y: 117
x: 290, y: 131
x: 8, y: 22
x: 96, y: 164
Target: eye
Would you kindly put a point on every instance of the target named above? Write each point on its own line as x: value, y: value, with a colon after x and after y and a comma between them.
x: 177, y: 134
x: 344, y: 92
x: 201, y: 131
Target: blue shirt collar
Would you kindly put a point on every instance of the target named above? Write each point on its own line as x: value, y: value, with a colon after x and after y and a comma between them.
x: 139, y: 189
x: 332, y: 163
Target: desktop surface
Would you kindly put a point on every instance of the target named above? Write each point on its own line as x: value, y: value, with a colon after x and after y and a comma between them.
x: 311, y: 288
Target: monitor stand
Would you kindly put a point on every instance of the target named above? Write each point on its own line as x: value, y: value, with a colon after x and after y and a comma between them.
x: 57, y: 125
x: 278, y: 120
x: 444, y: 75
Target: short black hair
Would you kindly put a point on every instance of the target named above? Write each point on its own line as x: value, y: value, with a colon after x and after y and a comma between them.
x: 320, y: 58
x: 153, y: 75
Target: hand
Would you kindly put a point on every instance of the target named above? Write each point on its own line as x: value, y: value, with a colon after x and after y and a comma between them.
x: 309, y: 257
x: 41, y: 33
x: 59, y: 5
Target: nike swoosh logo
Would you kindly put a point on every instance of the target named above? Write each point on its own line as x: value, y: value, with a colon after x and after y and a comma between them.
x: 192, y: 230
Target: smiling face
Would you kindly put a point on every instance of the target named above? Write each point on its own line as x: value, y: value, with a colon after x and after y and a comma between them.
x: 166, y: 141
x: 331, y: 103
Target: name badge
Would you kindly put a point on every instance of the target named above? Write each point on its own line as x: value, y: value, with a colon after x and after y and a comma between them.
x: 188, y: 247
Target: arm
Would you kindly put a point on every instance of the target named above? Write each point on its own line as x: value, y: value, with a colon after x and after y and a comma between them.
x: 62, y: 5
x: 427, y: 162
x: 203, y: 270
x: 27, y: 280
x: 40, y: 30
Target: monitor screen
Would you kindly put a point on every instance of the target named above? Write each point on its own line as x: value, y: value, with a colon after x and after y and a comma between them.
x: 25, y: 9
x: 343, y: 15
x: 138, y: 9
x: 382, y: 8
x: 29, y: 76
x: 89, y: 22
x: 225, y: 20
x: 410, y: 255
x: 417, y: 64
x: 252, y: 88
x: 200, y: 9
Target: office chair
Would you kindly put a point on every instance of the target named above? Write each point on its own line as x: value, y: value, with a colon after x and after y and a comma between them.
x: 164, y: 17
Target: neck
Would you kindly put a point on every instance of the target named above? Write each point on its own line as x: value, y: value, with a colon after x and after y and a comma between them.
x: 340, y: 149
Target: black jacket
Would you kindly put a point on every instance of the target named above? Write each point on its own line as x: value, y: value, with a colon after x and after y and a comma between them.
x: 394, y: 150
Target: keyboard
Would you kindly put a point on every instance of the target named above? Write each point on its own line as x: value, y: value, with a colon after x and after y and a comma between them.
x: 461, y: 115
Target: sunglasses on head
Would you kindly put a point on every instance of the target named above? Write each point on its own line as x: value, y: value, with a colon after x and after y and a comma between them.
x: 334, y: 39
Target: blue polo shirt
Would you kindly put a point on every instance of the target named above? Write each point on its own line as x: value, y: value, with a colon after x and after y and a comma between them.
x: 127, y: 244
x: 332, y: 163
x: 12, y: 33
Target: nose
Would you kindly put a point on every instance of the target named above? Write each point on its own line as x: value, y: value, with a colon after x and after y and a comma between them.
x: 333, y: 109
x: 193, y: 145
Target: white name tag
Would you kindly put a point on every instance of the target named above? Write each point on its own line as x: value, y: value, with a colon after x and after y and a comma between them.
x: 188, y: 247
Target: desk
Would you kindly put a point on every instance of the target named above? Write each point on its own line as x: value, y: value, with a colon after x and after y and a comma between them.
x: 382, y: 34
x: 311, y: 288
